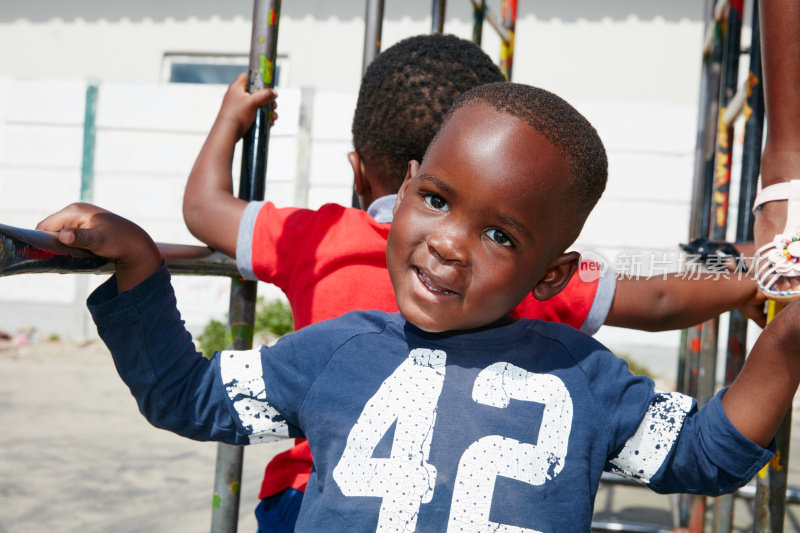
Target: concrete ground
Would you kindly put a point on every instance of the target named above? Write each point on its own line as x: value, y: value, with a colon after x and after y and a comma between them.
x: 76, y: 456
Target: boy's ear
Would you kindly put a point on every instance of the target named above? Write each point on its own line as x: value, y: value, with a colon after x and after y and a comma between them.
x: 360, y: 181
x: 413, y: 167
x: 557, y: 276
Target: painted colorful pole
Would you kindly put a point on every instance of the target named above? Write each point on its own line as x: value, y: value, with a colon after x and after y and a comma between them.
x: 508, y: 12
x: 478, y: 13
x: 731, y: 28
x: 698, y: 349
x: 737, y: 332
x: 241, y: 314
x: 772, y: 480
x: 437, y: 16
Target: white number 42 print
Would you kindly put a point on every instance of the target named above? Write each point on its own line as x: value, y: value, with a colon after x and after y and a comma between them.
x: 406, y: 480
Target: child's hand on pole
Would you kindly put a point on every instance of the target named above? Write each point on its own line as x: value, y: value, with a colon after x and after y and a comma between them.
x: 239, y: 106
x: 103, y: 233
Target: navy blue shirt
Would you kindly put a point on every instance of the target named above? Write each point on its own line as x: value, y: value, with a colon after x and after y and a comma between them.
x: 416, y: 431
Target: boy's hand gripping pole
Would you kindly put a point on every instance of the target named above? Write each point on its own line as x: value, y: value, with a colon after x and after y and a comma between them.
x: 241, y: 313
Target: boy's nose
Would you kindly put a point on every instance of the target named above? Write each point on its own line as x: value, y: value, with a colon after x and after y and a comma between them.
x: 448, y: 243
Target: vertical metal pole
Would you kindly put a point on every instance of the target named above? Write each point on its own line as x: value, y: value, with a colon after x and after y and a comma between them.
x: 771, y: 481
x: 478, y: 12
x: 87, y: 195
x: 373, y: 29
x: 509, y: 15
x: 700, y: 340
x: 732, y: 29
x: 751, y: 159
x: 89, y: 137
x: 753, y: 134
x: 241, y: 315
x: 437, y: 16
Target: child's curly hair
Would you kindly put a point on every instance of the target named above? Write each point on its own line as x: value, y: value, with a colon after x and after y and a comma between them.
x: 406, y: 92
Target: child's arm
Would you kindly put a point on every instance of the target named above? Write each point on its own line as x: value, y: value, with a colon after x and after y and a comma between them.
x: 211, y: 211
x: 761, y: 395
x: 107, y: 235
x: 659, y: 303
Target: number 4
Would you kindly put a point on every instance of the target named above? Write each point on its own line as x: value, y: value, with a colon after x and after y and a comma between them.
x: 406, y: 480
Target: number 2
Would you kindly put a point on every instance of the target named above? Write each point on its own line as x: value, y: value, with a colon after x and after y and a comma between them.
x: 494, y: 455
x: 406, y: 480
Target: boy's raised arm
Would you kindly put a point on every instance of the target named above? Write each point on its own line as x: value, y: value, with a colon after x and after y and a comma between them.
x: 211, y: 211
x: 107, y: 235
x: 761, y: 395
x: 673, y: 302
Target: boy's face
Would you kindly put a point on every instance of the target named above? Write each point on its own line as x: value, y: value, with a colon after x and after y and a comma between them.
x: 477, y: 225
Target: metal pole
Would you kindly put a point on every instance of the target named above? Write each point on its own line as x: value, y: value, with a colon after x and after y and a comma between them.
x: 241, y: 315
x: 373, y: 29
x: 751, y: 159
x: 699, y: 341
x: 753, y: 135
x: 722, y: 175
x: 437, y: 16
x: 772, y: 480
x: 508, y: 12
x: 478, y: 12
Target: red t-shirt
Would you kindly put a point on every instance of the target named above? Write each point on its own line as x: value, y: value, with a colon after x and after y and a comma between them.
x: 333, y: 260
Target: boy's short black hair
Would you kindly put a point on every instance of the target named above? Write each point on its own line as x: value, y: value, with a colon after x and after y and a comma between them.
x: 406, y: 93
x: 562, y: 125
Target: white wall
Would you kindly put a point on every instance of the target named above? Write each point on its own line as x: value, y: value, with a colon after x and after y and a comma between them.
x: 624, y: 50
x: 631, y: 66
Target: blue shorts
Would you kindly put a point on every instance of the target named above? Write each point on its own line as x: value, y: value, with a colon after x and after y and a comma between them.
x: 278, y: 513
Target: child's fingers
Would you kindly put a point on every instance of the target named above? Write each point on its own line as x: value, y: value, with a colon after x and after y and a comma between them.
x: 240, y: 81
x: 73, y: 215
x: 80, y: 238
x: 263, y: 97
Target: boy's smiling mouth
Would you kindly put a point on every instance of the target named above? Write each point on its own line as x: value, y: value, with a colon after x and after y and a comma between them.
x: 430, y: 284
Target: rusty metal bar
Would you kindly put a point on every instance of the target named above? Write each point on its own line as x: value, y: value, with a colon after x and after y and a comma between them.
x: 772, y: 480
x: 24, y: 251
x: 241, y: 314
x: 699, y: 342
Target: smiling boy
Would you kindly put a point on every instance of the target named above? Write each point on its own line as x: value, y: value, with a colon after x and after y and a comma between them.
x: 450, y: 414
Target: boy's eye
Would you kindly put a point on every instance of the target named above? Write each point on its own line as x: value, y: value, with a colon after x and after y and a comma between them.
x: 436, y: 202
x: 500, y: 237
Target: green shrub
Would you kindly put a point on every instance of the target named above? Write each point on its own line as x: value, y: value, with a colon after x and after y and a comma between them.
x: 272, y: 318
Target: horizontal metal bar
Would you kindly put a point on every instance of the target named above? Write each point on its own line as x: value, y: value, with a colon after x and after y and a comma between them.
x: 632, y: 527
x: 24, y: 251
x: 748, y: 492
